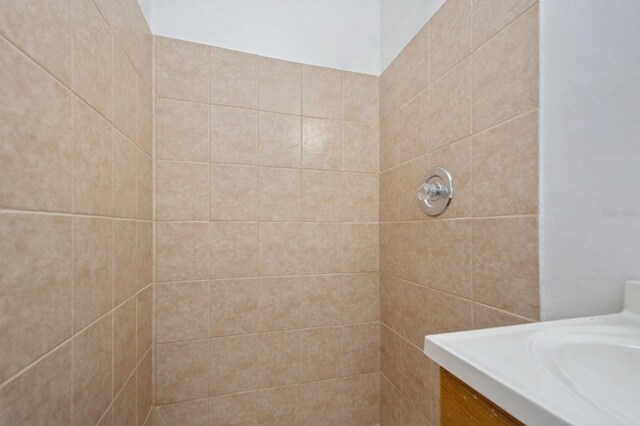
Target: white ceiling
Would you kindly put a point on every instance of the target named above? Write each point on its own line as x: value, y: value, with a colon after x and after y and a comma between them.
x: 355, y: 35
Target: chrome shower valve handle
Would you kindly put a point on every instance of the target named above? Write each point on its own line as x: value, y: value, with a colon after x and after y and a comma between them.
x: 435, y: 191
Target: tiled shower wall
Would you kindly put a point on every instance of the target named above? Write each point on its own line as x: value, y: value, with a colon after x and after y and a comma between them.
x: 463, y: 95
x: 75, y: 213
x: 267, y: 240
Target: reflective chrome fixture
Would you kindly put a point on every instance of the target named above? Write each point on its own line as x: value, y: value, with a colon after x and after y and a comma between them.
x: 435, y: 191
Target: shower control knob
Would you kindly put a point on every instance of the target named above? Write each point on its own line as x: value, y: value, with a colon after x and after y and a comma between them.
x: 435, y: 192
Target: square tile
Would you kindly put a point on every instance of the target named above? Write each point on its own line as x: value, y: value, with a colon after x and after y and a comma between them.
x: 321, y: 144
x: 182, y: 371
x: 234, y: 78
x: 182, y: 70
x: 182, y: 191
x: 182, y: 311
x: 280, y: 86
x: 182, y: 251
x: 280, y: 140
x: 279, y: 194
x: 182, y: 130
x: 234, y: 135
x: 321, y: 92
x: 234, y: 192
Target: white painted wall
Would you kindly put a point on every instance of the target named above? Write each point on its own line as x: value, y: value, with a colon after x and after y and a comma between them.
x: 356, y: 35
x: 400, y: 20
x: 343, y: 34
x: 590, y: 154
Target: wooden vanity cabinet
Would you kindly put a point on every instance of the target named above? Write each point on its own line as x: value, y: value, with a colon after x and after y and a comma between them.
x: 461, y: 405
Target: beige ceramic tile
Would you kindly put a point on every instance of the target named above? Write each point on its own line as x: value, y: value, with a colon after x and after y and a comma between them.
x: 233, y: 364
x: 124, y: 405
x: 131, y: 31
x: 404, y: 250
x: 279, y: 359
x: 193, y: 413
x: 234, y: 192
x: 182, y: 311
x: 450, y: 313
x: 491, y: 16
x: 410, y: 416
x: 390, y: 404
x: 398, y: 189
x: 41, y: 394
x: 456, y: 158
x: 361, y: 399
x: 405, y: 135
x: 182, y: 371
x: 360, y: 297
x: 451, y: 105
x: 92, y: 269
x: 279, y: 196
x: 360, y: 349
x: 280, y: 303
x: 407, y: 75
x: 416, y: 381
x: 513, y: 145
x: 321, y: 196
x: 321, y: 143
x: 182, y: 251
x: 360, y: 197
x: 505, y: 264
x: 278, y: 406
x: 182, y: 191
x: 360, y: 247
x: 144, y: 118
x: 233, y: 409
x: 125, y: 282
x: 92, y: 161
x: 450, y: 257
x: 234, y: 135
x: 144, y: 319
x: 299, y: 248
x: 144, y: 186
x: 321, y: 92
x: 92, y: 64
x: 144, y: 253
x: 451, y: 36
x: 233, y: 306
x: 321, y: 403
x: 391, y: 355
x: 36, y: 175
x: 42, y: 29
x: 124, y: 344
x: 360, y: 147
x: 182, y: 70
x: 486, y: 317
x: 182, y: 130
x: 321, y: 350
x: 279, y: 140
x: 36, y: 308
x: 144, y: 388
x: 505, y: 81
x: 320, y: 300
x: 124, y: 176
x: 280, y: 86
x: 124, y: 93
x: 360, y: 99
x: 414, y: 303
x: 234, y: 249
x: 390, y: 292
x: 92, y: 374
x: 234, y: 78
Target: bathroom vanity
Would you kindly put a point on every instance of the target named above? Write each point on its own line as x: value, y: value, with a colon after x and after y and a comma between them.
x: 583, y: 371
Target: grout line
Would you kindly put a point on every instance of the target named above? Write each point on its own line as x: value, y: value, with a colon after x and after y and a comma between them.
x: 209, y: 397
x: 69, y: 339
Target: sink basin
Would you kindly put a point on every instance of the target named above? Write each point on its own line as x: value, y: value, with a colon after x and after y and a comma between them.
x: 582, y: 371
x: 585, y: 359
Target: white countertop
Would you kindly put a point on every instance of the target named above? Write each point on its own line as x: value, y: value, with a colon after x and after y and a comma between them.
x: 583, y: 371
